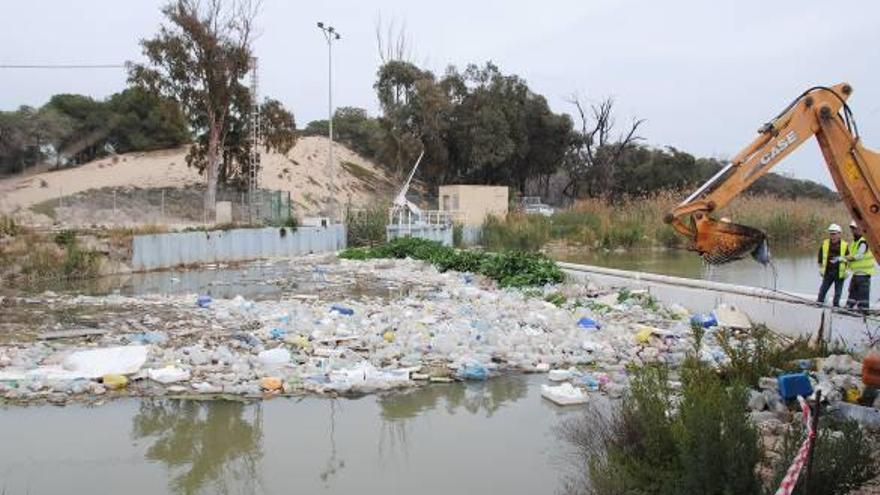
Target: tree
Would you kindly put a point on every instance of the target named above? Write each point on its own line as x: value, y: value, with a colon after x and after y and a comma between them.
x: 143, y: 121
x: 278, y: 126
x: 133, y: 120
x: 30, y: 136
x: 91, y: 124
x: 500, y: 131
x: 398, y: 87
x: 352, y: 126
x: 595, y: 152
x: 199, y: 57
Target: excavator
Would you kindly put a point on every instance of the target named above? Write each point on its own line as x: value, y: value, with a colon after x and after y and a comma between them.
x: 819, y: 111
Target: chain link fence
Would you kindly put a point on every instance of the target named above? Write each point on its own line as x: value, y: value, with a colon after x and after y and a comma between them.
x: 132, y: 206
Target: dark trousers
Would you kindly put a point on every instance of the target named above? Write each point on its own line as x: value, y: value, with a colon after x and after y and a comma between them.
x: 827, y: 281
x: 859, y: 292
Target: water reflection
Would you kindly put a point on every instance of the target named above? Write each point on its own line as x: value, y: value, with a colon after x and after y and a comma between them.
x: 203, y: 443
x: 474, y: 397
x: 334, y: 464
x: 398, y: 409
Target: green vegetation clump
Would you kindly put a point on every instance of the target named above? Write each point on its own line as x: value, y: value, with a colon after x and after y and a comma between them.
x: 458, y: 235
x: 764, y: 354
x: 846, y: 458
x: 653, y: 444
x: 9, y: 227
x: 509, y: 269
x: 698, y: 438
x: 30, y: 257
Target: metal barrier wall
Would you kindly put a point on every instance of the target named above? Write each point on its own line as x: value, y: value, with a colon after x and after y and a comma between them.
x: 471, y: 235
x: 155, y: 251
x: 432, y: 232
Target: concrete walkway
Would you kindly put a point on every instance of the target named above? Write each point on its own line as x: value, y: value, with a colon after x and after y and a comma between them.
x: 788, y: 313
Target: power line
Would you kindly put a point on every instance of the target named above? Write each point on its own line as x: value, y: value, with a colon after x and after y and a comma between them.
x: 62, y: 66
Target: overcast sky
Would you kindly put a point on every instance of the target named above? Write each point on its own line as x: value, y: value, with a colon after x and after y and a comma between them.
x: 704, y: 74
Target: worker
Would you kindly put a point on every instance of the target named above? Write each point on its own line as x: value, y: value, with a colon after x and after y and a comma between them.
x: 832, y: 264
x: 861, y: 262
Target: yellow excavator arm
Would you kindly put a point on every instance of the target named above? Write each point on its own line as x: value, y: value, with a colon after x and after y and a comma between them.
x: 821, y: 112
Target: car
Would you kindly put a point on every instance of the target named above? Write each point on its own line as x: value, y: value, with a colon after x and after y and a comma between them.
x: 538, y: 209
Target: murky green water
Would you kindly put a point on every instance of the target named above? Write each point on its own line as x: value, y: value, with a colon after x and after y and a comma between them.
x: 791, y: 270
x: 492, y: 437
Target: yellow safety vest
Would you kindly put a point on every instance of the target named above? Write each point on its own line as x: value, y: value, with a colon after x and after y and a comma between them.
x: 826, y: 246
x: 864, y: 265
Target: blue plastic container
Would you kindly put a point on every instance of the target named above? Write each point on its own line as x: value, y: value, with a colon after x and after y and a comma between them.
x: 704, y: 320
x: 341, y: 310
x: 473, y: 371
x: 793, y: 384
x: 589, y: 323
x: 203, y: 301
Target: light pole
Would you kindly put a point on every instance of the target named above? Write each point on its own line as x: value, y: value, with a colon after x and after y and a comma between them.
x: 330, y: 34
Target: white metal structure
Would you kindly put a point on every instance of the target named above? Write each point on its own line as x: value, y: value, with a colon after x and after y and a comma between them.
x: 403, y: 208
x: 331, y: 35
x: 254, y: 165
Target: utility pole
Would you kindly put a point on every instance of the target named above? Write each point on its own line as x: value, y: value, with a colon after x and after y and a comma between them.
x: 330, y: 34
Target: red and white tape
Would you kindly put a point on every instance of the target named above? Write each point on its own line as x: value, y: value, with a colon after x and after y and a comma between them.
x: 791, y: 476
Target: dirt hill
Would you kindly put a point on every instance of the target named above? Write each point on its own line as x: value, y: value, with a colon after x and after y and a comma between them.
x: 113, y: 181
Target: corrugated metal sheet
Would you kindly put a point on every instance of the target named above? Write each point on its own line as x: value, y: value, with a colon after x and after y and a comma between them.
x: 432, y: 232
x: 151, y: 252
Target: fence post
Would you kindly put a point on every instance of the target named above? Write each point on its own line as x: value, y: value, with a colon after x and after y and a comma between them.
x: 60, y: 197
x: 115, y: 216
x: 162, y: 207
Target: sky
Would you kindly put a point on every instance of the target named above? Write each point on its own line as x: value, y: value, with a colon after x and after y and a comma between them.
x: 703, y: 74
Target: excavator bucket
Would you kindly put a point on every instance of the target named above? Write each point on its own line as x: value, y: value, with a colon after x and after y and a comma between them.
x: 720, y: 241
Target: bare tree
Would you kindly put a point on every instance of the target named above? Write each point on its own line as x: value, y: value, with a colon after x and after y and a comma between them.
x: 597, y: 150
x: 393, y: 44
x: 199, y: 58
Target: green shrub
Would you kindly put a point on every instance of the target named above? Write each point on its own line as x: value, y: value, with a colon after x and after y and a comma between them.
x: 509, y: 269
x: 844, y: 457
x: 556, y: 299
x: 366, y: 227
x: 65, y: 238
x: 8, y: 227
x: 649, y: 446
x: 762, y: 354
x: 457, y: 235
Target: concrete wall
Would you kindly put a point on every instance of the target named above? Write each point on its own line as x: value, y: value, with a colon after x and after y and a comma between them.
x: 155, y: 251
x: 473, y: 203
x: 439, y: 233
x: 787, y: 313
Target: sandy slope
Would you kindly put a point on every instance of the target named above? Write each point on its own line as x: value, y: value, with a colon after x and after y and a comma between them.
x: 303, y: 172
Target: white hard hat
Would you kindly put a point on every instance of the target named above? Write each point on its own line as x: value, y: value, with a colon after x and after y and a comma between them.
x: 853, y: 223
x: 834, y: 228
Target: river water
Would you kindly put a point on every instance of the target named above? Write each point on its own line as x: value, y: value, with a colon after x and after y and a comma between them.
x: 491, y: 437
x: 791, y: 270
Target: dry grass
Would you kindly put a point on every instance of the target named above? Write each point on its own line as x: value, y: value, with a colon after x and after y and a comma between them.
x: 30, y: 257
x: 638, y: 222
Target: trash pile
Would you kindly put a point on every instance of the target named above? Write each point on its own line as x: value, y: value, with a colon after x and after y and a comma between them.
x: 839, y: 380
x: 452, y: 326
x: 444, y: 327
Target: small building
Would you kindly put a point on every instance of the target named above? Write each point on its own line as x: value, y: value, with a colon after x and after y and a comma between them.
x: 471, y: 205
